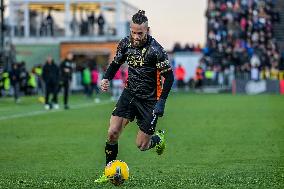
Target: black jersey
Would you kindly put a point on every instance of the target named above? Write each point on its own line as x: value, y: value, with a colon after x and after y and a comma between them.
x: 145, y: 63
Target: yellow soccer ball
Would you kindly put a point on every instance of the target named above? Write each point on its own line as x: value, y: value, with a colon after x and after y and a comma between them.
x: 41, y: 99
x: 117, y: 171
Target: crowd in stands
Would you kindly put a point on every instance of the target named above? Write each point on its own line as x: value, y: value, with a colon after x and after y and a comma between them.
x: 187, y: 48
x: 240, y: 45
x: 240, y: 39
x: 87, y: 24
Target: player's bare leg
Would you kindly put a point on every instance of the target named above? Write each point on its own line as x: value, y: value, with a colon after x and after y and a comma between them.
x: 111, y: 149
x: 115, y: 128
x: 145, y: 142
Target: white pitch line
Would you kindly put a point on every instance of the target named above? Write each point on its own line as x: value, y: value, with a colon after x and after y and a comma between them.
x: 78, y: 106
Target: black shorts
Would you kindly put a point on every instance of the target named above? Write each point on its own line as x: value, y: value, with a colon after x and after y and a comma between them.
x: 130, y: 107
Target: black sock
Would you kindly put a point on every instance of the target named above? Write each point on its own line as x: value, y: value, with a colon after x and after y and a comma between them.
x: 111, y: 151
x: 155, y: 139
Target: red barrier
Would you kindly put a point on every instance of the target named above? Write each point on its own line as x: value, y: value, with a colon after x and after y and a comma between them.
x: 282, y: 87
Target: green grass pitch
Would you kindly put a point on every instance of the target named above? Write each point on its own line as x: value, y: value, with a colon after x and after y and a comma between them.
x: 213, y: 141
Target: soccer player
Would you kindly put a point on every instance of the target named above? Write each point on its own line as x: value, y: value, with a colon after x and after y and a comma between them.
x: 143, y: 98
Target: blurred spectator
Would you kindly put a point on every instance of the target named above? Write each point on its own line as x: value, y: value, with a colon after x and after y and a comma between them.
x: 180, y: 76
x: 6, y: 83
x: 265, y: 73
x: 255, y: 73
x: 66, y: 71
x: 177, y: 47
x: 83, y: 24
x: 197, y: 48
x: 32, y: 82
x: 101, y: 23
x: 43, y: 26
x: 95, y: 79
x: 255, y: 61
x: 15, y: 81
x: 91, y: 23
x: 49, y: 24
x: 74, y: 25
x: 209, y: 76
x: 39, y: 80
x: 87, y: 81
x: 50, y: 76
x: 199, y: 77
x: 117, y: 85
x: 24, y: 76
x: 274, y: 73
x: 187, y: 48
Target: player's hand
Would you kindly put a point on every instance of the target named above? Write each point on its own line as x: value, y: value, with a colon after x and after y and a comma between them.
x: 104, y: 85
x: 159, y: 107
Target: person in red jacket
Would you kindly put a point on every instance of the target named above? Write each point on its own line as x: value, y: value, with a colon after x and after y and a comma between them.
x: 180, y: 76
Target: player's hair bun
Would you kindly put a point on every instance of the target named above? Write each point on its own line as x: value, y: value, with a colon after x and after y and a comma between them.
x: 139, y: 17
x: 141, y: 12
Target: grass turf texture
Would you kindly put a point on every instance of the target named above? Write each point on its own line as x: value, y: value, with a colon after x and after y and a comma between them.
x: 213, y: 141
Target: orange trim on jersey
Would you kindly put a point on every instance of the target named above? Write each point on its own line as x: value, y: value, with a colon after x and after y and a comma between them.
x: 159, y: 85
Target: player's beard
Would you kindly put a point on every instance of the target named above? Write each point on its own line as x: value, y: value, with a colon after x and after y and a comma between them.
x: 136, y: 43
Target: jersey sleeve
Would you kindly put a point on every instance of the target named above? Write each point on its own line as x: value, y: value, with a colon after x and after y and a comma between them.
x: 120, y: 56
x: 163, y: 64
